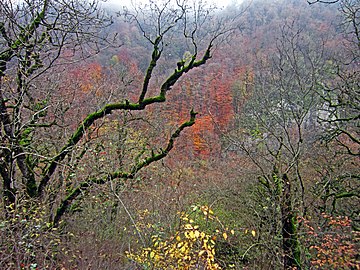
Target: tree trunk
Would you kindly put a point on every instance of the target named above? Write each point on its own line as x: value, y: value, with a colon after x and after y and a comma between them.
x: 290, y: 243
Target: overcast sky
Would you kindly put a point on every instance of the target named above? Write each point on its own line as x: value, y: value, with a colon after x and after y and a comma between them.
x: 121, y: 3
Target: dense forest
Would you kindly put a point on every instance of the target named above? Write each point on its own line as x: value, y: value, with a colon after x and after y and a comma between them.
x: 179, y: 135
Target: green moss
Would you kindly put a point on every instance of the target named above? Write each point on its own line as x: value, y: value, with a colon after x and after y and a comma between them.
x: 25, y: 138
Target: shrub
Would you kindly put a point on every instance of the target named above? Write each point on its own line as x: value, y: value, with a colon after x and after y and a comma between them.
x: 190, y: 246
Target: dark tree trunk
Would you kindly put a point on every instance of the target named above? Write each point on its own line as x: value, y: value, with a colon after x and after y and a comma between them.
x: 289, y: 235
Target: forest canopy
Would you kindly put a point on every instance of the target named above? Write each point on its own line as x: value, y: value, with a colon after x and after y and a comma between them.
x: 179, y: 135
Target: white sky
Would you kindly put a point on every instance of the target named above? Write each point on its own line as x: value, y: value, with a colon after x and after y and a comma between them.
x: 121, y: 3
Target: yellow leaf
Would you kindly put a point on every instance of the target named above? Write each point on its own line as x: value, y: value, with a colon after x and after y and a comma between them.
x: 178, y: 238
x: 188, y: 226
x: 201, y: 252
x: 232, y: 232
x: 183, y: 249
x: 152, y: 254
x: 253, y: 233
x: 225, y: 236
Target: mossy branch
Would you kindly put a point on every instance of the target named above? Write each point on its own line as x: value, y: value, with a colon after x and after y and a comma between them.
x: 174, y: 77
x: 109, y: 108
x: 23, y: 38
x: 154, y: 58
x: 72, y: 195
x: 77, y: 136
x: 163, y: 153
x: 75, y: 192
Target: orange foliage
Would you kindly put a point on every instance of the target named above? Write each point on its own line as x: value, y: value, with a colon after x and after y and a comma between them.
x: 88, y: 76
x: 333, y: 245
x: 202, y: 147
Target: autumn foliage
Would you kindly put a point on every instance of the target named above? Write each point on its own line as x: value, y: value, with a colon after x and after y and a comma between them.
x: 98, y: 133
x: 190, y: 246
x: 333, y: 244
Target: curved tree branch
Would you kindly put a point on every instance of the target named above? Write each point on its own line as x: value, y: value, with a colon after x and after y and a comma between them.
x: 76, y: 192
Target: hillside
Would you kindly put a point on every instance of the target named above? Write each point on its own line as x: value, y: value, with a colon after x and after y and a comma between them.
x: 179, y: 136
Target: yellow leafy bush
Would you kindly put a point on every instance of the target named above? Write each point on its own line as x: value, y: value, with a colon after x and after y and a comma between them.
x: 189, y: 247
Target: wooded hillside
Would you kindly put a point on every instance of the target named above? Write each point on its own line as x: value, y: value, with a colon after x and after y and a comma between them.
x: 179, y: 135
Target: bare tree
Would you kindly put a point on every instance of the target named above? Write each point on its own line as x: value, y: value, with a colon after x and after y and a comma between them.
x: 340, y: 118
x: 274, y: 134
x: 322, y: 1
x: 341, y: 94
x: 34, y: 37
